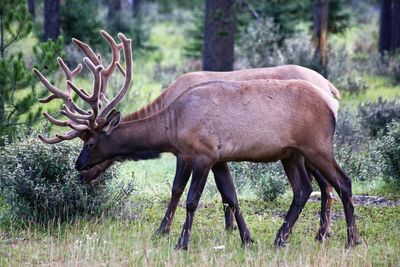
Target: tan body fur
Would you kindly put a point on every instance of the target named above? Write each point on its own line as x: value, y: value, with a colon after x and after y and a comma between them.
x: 214, y: 122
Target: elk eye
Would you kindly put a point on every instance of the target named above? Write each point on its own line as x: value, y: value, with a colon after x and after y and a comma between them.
x: 90, y: 145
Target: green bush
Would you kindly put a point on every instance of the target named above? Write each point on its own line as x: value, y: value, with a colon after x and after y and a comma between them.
x: 267, y: 180
x: 389, y: 146
x: 39, y: 183
x: 376, y: 115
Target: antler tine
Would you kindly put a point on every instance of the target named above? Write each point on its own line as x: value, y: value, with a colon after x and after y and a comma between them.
x: 85, y: 48
x: 55, y: 121
x: 59, y: 137
x: 115, y: 57
x: 128, y: 76
x: 67, y: 112
x: 78, y: 127
x: 56, y: 92
x: 69, y: 135
x: 48, y: 99
x: 52, y: 140
x: 69, y: 75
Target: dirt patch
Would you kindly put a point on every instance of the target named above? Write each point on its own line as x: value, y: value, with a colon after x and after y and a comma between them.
x: 362, y: 200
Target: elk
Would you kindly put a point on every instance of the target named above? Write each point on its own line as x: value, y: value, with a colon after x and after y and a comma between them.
x: 182, y: 169
x: 103, y: 122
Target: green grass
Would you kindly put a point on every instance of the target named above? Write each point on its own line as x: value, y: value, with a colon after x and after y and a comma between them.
x: 116, y: 242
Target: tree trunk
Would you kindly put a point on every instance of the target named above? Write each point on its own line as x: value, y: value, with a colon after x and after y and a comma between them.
x: 135, y: 8
x: 51, y: 19
x: 385, y: 29
x: 219, y: 35
x: 395, y: 26
x: 31, y: 7
x: 320, y: 15
x: 114, y: 7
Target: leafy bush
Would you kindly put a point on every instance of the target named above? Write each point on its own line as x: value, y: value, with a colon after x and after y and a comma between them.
x: 348, y: 128
x: 376, y: 115
x: 261, y: 47
x: 38, y: 182
x: 268, y: 180
x: 363, y: 163
x: 389, y: 146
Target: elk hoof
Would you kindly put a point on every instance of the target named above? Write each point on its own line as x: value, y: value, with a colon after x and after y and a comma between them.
x: 162, y: 231
x: 321, y: 236
x: 231, y: 227
x: 353, y: 242
x: 181, y: 245
x: 279, y: 243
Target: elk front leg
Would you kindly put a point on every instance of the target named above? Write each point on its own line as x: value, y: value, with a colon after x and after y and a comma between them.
x: 301, y: 186
x: 182, y: 175
x: 201, y: 169
x: 226, y: 187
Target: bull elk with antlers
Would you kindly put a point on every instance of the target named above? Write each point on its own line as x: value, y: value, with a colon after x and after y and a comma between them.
x: 204, y: 126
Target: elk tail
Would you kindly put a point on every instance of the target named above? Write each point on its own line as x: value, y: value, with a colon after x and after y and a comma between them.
x: 335, y: 92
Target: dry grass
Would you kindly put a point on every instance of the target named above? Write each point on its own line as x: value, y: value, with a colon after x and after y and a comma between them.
x: 131, y: 242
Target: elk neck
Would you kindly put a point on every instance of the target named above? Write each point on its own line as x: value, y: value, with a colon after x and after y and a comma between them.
x: 145, y: 138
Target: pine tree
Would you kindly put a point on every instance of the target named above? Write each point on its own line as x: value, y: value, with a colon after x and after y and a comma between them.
x: 15, y: 75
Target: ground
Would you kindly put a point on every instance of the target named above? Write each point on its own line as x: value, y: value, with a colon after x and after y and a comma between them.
x: 130, y: 239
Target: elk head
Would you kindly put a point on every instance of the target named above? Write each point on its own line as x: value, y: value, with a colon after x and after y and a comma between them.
x: 96, y: 124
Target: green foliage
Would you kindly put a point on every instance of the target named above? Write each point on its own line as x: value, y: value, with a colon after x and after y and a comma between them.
x: 260, y: 47
x: 389, y: 146
x: 80, y: 20
x: 39, y: 183
x: 286, y: 15
x: 15, y: 74
x: 376, y: 115
x: 15, y: 23
x: 194, y: 45
x: 268, y: 180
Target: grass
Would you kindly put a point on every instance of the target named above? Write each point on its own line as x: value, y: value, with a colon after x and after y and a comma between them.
x: 132, y: 242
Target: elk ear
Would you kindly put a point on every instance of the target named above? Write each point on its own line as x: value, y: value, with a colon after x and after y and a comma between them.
x: 112, y: 121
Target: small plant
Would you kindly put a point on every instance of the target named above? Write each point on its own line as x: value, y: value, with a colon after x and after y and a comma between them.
x: 38, y: 182
x: 389, y: 146
x: 376, y: 115
x: 267, y: 180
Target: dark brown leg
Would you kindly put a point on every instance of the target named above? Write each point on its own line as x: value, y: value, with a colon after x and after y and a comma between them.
x: 328, y: 167
x: 326, y: 204
x: 201, y: 169
x: 301, y: 186
x: 182, y: 175
x: 226, y: 187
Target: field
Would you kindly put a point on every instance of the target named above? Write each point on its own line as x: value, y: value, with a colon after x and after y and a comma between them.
x: 130, y: 240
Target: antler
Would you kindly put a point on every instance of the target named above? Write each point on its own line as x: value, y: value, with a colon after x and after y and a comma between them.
x: 78, y: 119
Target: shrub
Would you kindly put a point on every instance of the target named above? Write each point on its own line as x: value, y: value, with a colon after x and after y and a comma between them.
x: 38, y: 182
x: 267, y: 180
x: 389, y: 146
x: 376, y: 115
x: 348, y: 128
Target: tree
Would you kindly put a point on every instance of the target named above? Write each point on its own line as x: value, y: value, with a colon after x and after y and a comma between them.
x: 79, y: 19
x: 219, y: 35
x: 31, y: 7
x: 15, y: 75
x: 320, y: 14
x: 389, y: 33
x: 51, y: 19
x: 135, y: 7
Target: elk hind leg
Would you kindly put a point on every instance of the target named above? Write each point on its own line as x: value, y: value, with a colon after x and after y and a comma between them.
x: 327, y: 166
x: 301, y: 185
